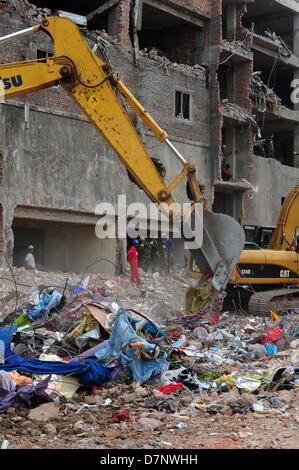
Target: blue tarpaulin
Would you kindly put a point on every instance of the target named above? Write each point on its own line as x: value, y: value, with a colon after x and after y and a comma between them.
x: 90, y: 372
x: 6, y: 333
x: 118, y: 347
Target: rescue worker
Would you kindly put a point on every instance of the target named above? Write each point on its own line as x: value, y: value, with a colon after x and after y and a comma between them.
x: 29, y: 261
x: 170, y: 259
x: 154, y: 255
x: 163, y: 253
x: 144, y: 254
x: 226, y: 173
x: 133, y: 260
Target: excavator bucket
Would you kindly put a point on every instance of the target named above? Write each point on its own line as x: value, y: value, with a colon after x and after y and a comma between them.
x: 223, y: 242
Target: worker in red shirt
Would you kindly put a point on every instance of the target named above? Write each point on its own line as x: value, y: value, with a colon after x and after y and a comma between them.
x: 133, y: 260
x: 226, y: 173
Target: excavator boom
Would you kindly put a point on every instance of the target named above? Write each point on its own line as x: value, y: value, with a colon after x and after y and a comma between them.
x: 91, y: 83
x: 284, y: 235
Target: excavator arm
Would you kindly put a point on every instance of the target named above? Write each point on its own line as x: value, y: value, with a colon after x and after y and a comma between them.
x: 92, y: 84
x: 284, y: 235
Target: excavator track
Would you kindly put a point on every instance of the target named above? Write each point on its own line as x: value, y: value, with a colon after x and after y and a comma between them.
x: 261, y: 303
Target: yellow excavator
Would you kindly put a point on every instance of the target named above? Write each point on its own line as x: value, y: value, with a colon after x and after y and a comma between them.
x: 93, y: 85
x: 265, y: 280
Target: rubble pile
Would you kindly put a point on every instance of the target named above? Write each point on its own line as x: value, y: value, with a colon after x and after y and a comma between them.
x: 239, y: 47
x: 100, y: 36
x: 263, y: 96
x: 83, y: 358
x: 154, y: 54
x: 35, y: 13
x: 235, y: 111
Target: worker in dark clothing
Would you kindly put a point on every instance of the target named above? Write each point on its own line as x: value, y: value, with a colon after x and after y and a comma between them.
x: 144, y: 254
x: 162, y: 250
x: 226, y: 173
x: 154, y: 255
x: 170, y: 260
x: 269, y: 147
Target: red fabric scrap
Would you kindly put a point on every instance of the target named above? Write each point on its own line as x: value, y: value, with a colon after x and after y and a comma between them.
x: 274, y: 335
x: 122, y: 415
x: 215, y: 319
x: 166, y: 389
x: 175, y: 335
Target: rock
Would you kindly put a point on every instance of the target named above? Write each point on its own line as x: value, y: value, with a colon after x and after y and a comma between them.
x: 295, y: 344
x: 16, y: 419
x: 10, y: 411
x: 44, y: 412
x: 99, y: 400
x: 90, y: 400
x: 79, y: 426
x: 243, y: 434
x: 258, y: 350
x: 285, y: 396
x: 140, y: 391
x: 149, y: 423
x: 50, y: 429
x: 113, y: 434
x: 27, y: 424
x: 295, y: 358
x: 128, y: 397
x: 26, y: 445
x: 227, y: 411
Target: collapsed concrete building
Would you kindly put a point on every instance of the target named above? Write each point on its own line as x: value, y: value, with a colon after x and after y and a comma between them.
x: 216, y: 74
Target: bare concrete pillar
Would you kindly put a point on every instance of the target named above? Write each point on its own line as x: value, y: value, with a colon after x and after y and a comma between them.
x: 296, y: 77
x: 231, y: 22
x: 7, y: 236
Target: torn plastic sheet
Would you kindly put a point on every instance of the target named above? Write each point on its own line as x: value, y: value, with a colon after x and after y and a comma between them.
x: 249, y: 384
x: 47, y: 302
x: 122, y: 336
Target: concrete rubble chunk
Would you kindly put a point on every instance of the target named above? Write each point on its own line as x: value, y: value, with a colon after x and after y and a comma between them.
x: 149, y: 423
x: 50, y: 429
x: 44, y: 412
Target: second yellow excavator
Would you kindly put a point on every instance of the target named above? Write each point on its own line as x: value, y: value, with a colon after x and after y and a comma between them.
x: 269, y: 279
x: 94, y: 86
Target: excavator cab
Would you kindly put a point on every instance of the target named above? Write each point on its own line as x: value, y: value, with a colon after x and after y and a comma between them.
x: 90, y: 81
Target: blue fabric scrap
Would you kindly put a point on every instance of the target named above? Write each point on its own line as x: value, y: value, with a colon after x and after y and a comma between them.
x: 90, y: 372
x: 41, y: 310
x: 122, y: 335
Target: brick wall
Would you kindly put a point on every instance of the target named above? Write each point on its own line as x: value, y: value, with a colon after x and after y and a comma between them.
x: 123, y: 11
x: 241, y: 31
x: 155, y: 88
x: 20, y: 49
x: 204, y: 6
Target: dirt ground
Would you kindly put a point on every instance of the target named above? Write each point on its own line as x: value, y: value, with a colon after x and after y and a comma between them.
x: 91, y: 428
